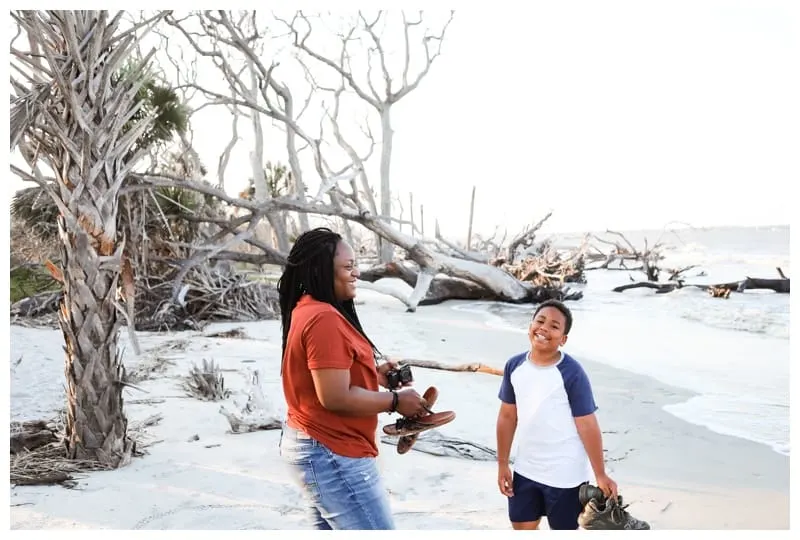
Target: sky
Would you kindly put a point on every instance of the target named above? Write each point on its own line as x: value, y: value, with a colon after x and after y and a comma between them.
x: 621, y: 115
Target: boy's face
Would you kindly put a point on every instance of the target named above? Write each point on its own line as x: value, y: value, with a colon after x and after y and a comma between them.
x: 546, y: 331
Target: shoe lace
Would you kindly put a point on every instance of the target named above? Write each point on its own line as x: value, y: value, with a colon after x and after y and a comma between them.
x: 619, y: 514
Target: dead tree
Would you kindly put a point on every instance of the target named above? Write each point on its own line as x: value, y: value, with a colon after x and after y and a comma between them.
x: 524, y: 239
x: 648, y: 257
x: 365, y: 87
x: 502, y: 285
x: 234, y: 45
x: 346, y: 199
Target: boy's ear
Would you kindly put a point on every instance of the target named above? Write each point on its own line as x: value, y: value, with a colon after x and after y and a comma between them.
x: 564, y: 339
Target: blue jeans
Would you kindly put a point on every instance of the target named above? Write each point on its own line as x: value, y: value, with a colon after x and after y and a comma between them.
x: 342, y: 493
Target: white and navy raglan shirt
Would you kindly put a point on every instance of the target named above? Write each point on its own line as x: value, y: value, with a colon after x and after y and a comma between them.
x: 549, y: 449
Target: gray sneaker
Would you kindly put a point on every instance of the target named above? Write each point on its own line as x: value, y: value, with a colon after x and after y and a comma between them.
x: 609, y: 514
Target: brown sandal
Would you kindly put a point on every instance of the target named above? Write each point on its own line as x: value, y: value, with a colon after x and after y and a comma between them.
x: 407, y: 441
x: 408, y: 427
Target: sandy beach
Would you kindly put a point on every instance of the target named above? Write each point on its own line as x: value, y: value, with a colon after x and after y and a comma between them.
x: 196, y: 475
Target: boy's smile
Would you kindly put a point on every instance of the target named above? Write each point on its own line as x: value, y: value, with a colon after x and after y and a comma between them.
x: 546, y: 332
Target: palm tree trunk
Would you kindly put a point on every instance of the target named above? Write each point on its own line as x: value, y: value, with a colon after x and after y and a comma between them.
x: 81, y: 126
x: 96, y: 424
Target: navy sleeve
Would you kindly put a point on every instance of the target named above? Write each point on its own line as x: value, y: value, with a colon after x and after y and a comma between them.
x: 579, y: 392
x: 507, y: 394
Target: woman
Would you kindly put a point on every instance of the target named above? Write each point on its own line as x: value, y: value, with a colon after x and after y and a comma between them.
x: 330, y: 382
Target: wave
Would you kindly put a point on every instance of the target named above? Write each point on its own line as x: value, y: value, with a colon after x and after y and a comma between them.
x: 756, y: 321
x: 748, y: 417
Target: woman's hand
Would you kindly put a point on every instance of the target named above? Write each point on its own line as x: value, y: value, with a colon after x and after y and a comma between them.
x: 384, y: 368
x: 410, y: 404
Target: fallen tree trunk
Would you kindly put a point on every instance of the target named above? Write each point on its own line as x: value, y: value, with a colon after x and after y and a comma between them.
x: 36, y: 305
x: 442, y: 288
x: 777, y: 285
x: 27, y: 436
x: 500, y: 283
x: 719, y: 290
x: 660, y: 288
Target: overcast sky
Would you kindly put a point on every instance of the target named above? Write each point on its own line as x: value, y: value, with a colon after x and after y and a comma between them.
x: 612, y: 114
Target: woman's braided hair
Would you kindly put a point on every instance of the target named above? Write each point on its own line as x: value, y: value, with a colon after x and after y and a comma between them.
x: 309, y: 270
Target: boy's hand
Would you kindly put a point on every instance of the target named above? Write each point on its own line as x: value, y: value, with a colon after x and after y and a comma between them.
x: 505, y: 480
x: 607, y: 485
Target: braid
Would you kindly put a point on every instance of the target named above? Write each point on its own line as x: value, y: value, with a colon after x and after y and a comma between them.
x: 309, y: 270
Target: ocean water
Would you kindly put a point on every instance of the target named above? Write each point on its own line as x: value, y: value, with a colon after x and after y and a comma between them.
x: 733, y: 353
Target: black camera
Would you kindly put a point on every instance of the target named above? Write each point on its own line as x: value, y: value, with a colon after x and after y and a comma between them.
x: 400, y: 376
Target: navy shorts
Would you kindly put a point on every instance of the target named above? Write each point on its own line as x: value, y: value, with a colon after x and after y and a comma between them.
x: 533, y: 500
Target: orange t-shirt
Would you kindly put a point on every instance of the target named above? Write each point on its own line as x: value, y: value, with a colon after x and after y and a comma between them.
x: 321, y: 338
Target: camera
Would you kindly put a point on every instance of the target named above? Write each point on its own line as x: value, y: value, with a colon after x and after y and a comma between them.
x: 400, y: 376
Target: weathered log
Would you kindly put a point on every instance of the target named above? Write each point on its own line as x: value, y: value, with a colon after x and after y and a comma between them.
x: 649, y: 256
x: 29, y: 436
x: 444, y: 288
x: 719, y: 290
x: 748, y: 283
x: 659, y: 287
x: 257, y: 413
x: 441, y: 288
x: 392, y: 270
x: 50, y: 478
x: 273, y: 257
x: 475, y: 367
x: 39, y: 304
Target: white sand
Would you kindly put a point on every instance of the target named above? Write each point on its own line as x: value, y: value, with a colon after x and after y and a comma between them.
x: 675, y: 475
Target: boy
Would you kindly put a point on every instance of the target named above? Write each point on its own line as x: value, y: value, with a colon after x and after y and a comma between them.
x: 547, y: 402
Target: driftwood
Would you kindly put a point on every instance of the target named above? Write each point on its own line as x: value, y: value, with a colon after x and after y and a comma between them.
x: 443, y: 288
x: 257, y: 413
x: 431, y: 261
x: 606, y: 259
x: 39, y: 453
x: 525, y: 239
x: 548, y: 268
x: 208, y: 294
x: 719, y: 290
x: 469, y: 368
x: 37, y: 305
x: 623, y: 250
x: 30, y: 435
